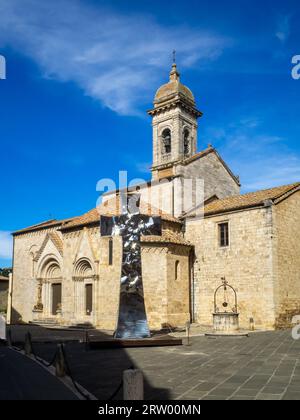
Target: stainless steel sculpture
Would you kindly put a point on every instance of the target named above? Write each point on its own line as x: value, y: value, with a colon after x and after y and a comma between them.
x: 132, y: 318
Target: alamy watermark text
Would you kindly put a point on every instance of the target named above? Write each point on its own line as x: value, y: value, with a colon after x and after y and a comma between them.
x: 296, y: 68
x: 2, y: 67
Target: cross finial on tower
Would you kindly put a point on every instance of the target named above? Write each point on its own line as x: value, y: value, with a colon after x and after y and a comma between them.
x: 174, y: 56
x: 174, y: 75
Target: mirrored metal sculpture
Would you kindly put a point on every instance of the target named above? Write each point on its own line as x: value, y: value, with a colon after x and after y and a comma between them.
x: 132, y: 318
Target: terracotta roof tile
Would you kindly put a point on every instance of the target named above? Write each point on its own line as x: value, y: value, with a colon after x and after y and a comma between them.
x: 167, y: 237
x: 253, y: 199
x: 112, y: 208
x: 43, y: 225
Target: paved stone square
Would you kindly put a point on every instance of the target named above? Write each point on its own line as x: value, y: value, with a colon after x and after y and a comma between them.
x: 264, y: 366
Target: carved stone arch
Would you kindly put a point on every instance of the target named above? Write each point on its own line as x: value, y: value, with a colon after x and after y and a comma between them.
x: 49, y: 267
x: 163, y: 127
x: 49, y: 286
x: 84, y: 268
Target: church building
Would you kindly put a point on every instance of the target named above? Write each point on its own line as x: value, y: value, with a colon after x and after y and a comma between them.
x: 65, y: 273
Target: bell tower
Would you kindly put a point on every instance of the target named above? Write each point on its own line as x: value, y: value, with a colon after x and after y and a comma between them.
x: 174, y: 122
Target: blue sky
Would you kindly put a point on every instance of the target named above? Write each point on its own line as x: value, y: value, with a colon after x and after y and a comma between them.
x: 81, y: 74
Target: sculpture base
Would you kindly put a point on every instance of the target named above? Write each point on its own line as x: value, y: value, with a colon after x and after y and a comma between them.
x: 219, y: 334
x: 113, y: 343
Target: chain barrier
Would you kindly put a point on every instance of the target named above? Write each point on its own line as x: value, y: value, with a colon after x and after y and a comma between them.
x: 52, y: 362
x: 68, y: 370
x: 119, y: 387
x: 86, y: 396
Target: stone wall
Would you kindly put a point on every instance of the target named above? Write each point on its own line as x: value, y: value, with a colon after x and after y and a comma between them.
x: 166, y: 301
x: 24, y: 281
x: 217, y: 180
x: 3, y: 296
x: 247, y: 265
x: 287, y: 260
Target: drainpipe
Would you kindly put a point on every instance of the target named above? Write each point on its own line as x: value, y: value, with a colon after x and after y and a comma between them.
x: 192, y: 284
x: 191, y: 277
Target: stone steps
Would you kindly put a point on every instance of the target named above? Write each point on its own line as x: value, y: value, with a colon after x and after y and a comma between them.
x: 44, y: 322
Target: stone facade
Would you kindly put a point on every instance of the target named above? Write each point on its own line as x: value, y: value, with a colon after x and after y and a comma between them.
x: 83, y: 259
x: 209, y: 177
x: 57, y: 264
x: 261, y: 262
x: 287, y: 260
x: 246, y: 264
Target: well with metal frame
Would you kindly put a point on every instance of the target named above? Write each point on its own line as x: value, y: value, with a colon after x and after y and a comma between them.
x: 226, y: 320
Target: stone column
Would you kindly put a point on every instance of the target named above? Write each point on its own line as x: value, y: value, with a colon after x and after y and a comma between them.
x: 39, y: 301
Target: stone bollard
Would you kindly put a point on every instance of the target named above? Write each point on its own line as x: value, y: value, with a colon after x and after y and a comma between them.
x: 187, y: 332
x: 133, y: 385
x: 60, y: 363
x: 28, y: 344
x: 251, y: 323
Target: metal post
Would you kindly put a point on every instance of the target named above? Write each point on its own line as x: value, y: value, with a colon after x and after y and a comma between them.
x: 133, y: 385
x: 187, y: 331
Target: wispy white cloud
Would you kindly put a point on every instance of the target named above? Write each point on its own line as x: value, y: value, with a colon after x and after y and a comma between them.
x: 283, y: 28
x: 260, y: 159
x: 116, y: 59
x: 5, y: 245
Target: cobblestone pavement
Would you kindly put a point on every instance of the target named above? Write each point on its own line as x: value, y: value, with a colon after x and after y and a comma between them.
x: 264, y: 366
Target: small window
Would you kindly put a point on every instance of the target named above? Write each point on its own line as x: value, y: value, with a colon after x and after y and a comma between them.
x: 166, y: 140
x: 110, y: 252
x: 177, y: 268
x: 224, y: 234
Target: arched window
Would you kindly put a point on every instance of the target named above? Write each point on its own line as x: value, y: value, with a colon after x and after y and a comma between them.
x: 177, y: 268
x: 186, y: 142
x: 166, y: 141
x: 110, y: 251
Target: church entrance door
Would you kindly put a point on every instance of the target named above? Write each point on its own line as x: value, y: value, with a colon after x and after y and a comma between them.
x: 88, y: 299
x: 56, y: 298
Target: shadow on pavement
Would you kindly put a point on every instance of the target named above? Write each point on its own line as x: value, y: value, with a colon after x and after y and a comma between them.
x: 99, y: 371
